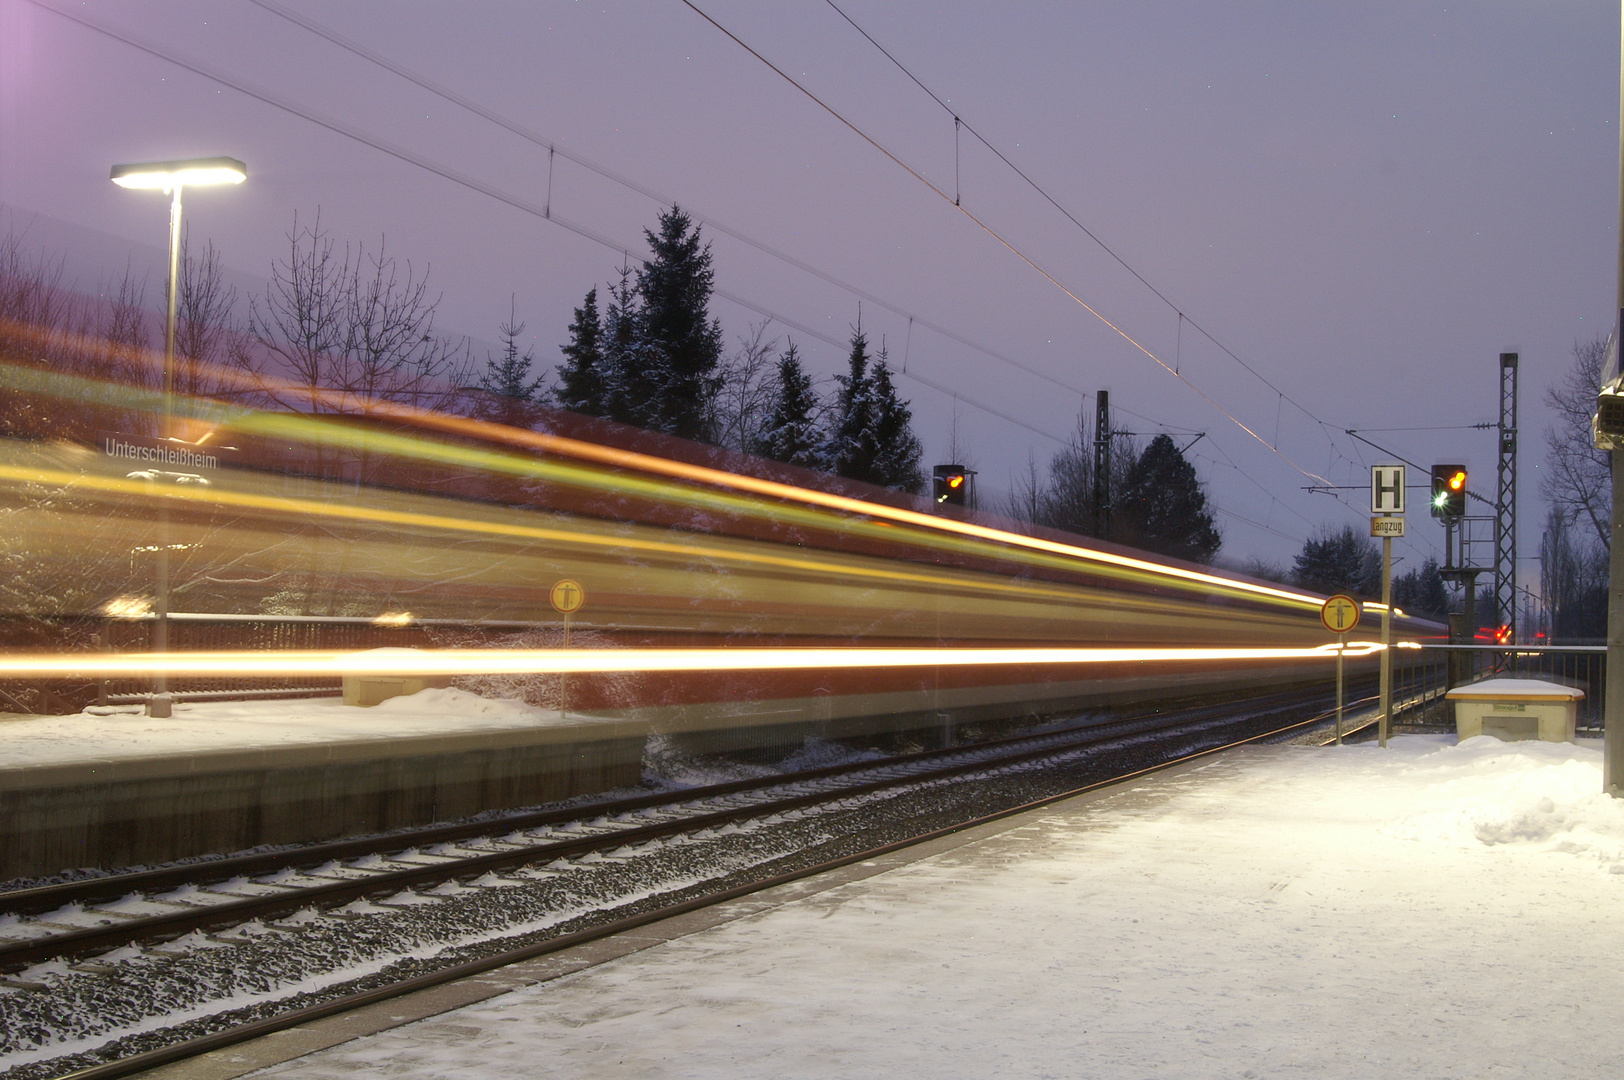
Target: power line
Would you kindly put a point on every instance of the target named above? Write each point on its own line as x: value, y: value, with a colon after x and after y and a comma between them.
x: 959, y: 121
x: 543, y: 212
x: 551, y: 147
x: 1011, y: 247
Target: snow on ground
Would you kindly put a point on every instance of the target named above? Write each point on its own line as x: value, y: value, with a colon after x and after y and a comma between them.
x: 198, y: 727
x: 1430, y: 910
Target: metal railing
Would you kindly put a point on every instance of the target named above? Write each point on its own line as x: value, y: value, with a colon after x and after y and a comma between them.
x: 1434, y: 669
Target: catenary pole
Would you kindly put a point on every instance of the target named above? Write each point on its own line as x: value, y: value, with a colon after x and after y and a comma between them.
x: 1613, y: 703
x: 1387, y: 639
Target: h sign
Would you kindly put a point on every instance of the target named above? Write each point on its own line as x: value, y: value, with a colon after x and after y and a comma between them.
x: 1387, y: 489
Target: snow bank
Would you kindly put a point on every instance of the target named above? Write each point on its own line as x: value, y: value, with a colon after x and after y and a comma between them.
x: 1486, y: 792
x: 197, y: 727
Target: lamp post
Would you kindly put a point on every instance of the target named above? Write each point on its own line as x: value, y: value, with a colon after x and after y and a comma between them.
x: 170, y: 177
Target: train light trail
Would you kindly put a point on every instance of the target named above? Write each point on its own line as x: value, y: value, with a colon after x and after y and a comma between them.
x: 607, y: 470
x: 607, y: 661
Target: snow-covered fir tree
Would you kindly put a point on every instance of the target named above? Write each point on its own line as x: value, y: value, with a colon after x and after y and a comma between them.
x: 581, y: 385
x: 849, y: 447
x: 621, y: 353
x: 678, y: 344
x: 872, y: 439
x: 794, y: 431
x: 897, y: 450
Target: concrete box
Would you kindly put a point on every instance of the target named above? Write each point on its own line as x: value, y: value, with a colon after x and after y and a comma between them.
x: 368, y: 690
x: 1516, y: 709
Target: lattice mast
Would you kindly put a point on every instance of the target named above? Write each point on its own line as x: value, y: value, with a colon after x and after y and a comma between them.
x: 1505, y: 501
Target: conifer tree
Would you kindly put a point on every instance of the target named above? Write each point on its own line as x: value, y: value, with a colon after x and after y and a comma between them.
x: 1339, y: 562
x: 581, y: 378
x: 513, y: 393
x: 623, y: 390
x: 794, y: 434
x: 896, y: 449
x: 1163, y: 507
x: 679, y: 344
x: 850, y: 448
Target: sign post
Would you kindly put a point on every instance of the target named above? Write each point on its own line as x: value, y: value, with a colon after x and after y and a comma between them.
x: 567, y: 598
x: 1387, y: 504
x: 1340, y: 614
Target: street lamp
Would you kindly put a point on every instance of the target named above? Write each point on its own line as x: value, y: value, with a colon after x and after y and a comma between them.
x: 170, y: 177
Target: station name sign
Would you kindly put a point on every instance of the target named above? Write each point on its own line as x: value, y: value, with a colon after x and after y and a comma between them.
x: 158, y: 452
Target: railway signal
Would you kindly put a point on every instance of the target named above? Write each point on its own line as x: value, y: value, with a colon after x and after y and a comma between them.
x: 1448, y: 491
x: 950, y: 484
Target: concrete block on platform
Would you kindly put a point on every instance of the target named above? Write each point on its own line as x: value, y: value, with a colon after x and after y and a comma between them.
x: 368, y: 690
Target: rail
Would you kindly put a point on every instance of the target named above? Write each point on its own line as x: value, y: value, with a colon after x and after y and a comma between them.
x: 1440, y: 668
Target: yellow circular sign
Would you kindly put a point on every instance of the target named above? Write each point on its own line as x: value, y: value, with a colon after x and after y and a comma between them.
x: 1340, y: 614
x: 568, y: 596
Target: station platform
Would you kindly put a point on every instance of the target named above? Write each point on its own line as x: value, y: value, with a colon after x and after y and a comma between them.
x: 115, y: 787
x: 1425, y: 910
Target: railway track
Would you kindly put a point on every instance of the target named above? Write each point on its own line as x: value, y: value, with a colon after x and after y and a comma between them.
x: 192, y: 916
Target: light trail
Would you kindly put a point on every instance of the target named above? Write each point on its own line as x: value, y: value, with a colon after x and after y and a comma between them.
x: 612, y: 661
x: 311, y: 428
x: 690, y: 546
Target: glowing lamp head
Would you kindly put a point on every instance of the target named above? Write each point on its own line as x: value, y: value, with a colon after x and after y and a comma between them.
x: 167, y: 175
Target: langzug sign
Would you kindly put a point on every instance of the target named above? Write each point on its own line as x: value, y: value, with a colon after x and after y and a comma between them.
x: 153, y: 452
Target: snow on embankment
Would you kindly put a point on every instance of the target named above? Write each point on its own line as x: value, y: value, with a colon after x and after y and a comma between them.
x: 1486, y: 792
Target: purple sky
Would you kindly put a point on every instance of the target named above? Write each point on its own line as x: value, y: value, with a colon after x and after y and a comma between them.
x: 1366, y: 202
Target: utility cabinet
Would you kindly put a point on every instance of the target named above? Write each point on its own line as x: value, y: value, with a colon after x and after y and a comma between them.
x: 1516, y: 709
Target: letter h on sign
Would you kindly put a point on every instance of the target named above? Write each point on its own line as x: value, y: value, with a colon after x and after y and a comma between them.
x: 1387, y: 489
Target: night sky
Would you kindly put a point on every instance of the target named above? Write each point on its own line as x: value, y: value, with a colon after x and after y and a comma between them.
x: 1364, y: 202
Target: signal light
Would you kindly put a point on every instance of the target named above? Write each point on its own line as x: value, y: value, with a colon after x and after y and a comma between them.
x: 950, y: 484
x: 1448, y: 491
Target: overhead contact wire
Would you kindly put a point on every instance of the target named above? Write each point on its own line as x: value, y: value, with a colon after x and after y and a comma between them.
x: 544, y: 212
x: 1007, y: 244
x: 959, y: 121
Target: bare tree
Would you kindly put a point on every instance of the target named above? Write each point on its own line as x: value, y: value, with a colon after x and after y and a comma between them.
x: 392, y: 352
x: 743, y: 404
x: 208, y: 349
x: 1026, y: 493
x: 343, y: 331
x: 35, y: 318
x: 1573, y: 581
x: 300, y: 325
x: 1579, y: 484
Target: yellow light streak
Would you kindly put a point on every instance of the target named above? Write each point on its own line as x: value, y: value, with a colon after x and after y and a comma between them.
x: 309, y: 428
x: 605, y: 661
x: 690, y: 546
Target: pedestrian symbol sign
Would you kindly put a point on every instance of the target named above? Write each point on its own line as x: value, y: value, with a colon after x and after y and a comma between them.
x: 568, y: 596
x: 1340, y: 614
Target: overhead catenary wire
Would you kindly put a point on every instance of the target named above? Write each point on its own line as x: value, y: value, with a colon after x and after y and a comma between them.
x: 536, y: 139
x: 959, y: 121
x: 462, y: 179
x: 1011, y: 247
x: 960, y: 124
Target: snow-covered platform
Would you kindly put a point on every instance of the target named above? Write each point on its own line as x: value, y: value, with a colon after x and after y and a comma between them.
x: 122, y: 788
x: 1428, y: 910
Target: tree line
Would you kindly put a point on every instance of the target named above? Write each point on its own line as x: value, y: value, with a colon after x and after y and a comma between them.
x: 653, y: 359
x: 342, y: 328
x: 1154, y: 498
